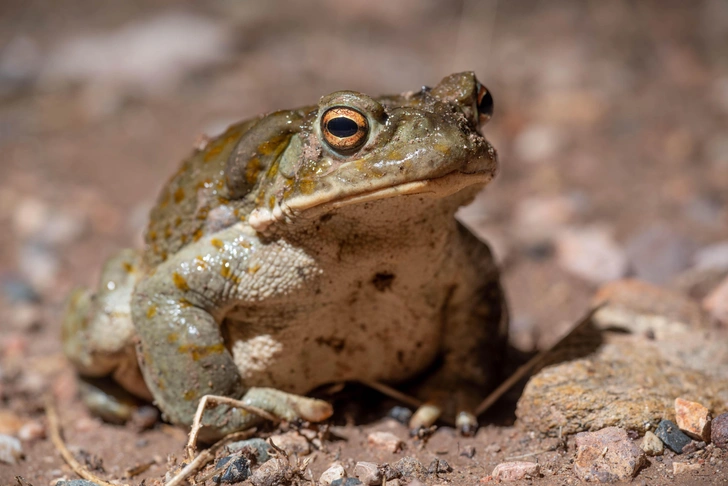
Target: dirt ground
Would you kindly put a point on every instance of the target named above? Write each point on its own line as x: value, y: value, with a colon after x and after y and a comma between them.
x: 610, y: 116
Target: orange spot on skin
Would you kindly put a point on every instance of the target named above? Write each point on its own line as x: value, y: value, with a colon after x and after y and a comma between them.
x: 128, y: 267
x: 201, y: 262
x: 172, y: 337
x: 217, y: 243
x: 184, y: 303
x: 151, y: 311
x: 244, y: 243
x: 252, y: 170
x: 225, y: 270
x: 177, y: 222
x: 307, y: 186
x: 179, y: 195
x: 203, y: 212
x: 152, y: 235
x: 180, y: 282
x: 190, y: 395
x: 198, y: 352
x: 197, y: 234
x: 271, y: 202
x: 254, y: 268
x: 202, y: 184
x: 165, y: 199
x: 213, y: 152
x: 272, y: 145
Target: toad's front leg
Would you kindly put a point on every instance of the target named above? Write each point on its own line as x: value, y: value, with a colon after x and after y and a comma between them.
x: 476, y: 329
x: 177, y: 312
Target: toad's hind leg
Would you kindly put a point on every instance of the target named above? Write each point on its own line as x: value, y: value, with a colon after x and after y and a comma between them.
x: 97, y: 332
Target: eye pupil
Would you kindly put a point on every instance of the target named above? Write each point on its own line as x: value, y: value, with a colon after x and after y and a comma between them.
x: 342, y: 127
x: 485, y: 104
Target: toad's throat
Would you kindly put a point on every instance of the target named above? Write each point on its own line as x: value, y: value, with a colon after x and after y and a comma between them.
x: 262, y: 218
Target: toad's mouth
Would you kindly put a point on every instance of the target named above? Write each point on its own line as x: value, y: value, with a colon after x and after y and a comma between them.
x: 439, y: 187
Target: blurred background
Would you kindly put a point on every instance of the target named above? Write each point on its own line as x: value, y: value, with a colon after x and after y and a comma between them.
x: 611, y: 123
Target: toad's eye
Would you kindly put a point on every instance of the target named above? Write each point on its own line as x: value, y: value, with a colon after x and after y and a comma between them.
x: 485, y: 105
x: 344, y: 129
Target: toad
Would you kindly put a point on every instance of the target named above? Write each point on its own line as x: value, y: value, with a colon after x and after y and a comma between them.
x: 306, y: 247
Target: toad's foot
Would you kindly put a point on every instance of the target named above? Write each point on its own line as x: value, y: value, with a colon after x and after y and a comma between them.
x: 217, y: 416
x: 445, y: 404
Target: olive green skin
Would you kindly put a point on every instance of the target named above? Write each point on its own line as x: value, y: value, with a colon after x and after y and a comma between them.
x: 272, y: 260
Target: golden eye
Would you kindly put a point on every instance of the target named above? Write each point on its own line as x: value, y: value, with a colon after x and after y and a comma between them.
x: 344, y: 129
x: 485, y: 104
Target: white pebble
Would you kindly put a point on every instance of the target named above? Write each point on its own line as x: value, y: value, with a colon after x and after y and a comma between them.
x: 334, y: 472
x: 10, y: 449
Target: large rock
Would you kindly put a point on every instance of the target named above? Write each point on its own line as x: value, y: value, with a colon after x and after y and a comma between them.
x: 632, y: 379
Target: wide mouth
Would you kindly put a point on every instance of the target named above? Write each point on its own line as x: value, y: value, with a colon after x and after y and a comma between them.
x: 438, y: 187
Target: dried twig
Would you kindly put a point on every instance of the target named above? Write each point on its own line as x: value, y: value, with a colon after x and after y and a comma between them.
x: 209, y: 401
x: 206, y: 456
x: 55, y: 433
x: 390, y: 392
x: 529, y: 366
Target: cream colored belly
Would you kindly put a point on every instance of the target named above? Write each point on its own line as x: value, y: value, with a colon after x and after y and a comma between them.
x: 376, y: 336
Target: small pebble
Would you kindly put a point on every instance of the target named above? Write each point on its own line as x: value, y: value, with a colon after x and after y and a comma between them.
x: 670, y: 434
x: 539, y: 218
x: 292, y: 443
x: 607, y: 456
x: 591, y: 253
x: 401, y: 414
x: 693, y: 419
x: 684, y: 467
x: 439, y: 466
x: 368, y: 473
x: 515, y: 471
x: 713, y: 257
x: 10, y: 422
x: 716, y: 303
x: 32, y: 430
x: 468, y: 451
x: 144, y: 417
x: 334, y: 472
x: 658, y: 253
x: 17, y: 290
x: 10, y: 450
x: 346, y: 482
x: 386, y: 441
x: 493, y: 449
x: 719, y: 431
x: 259, y: 446
x: 693, y: 446
x: 236, y: 469
x: 652, y: 445
x: 26, y: 317
x: 277, y: 470
x: 409, y: 467
x: 537, y: 143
